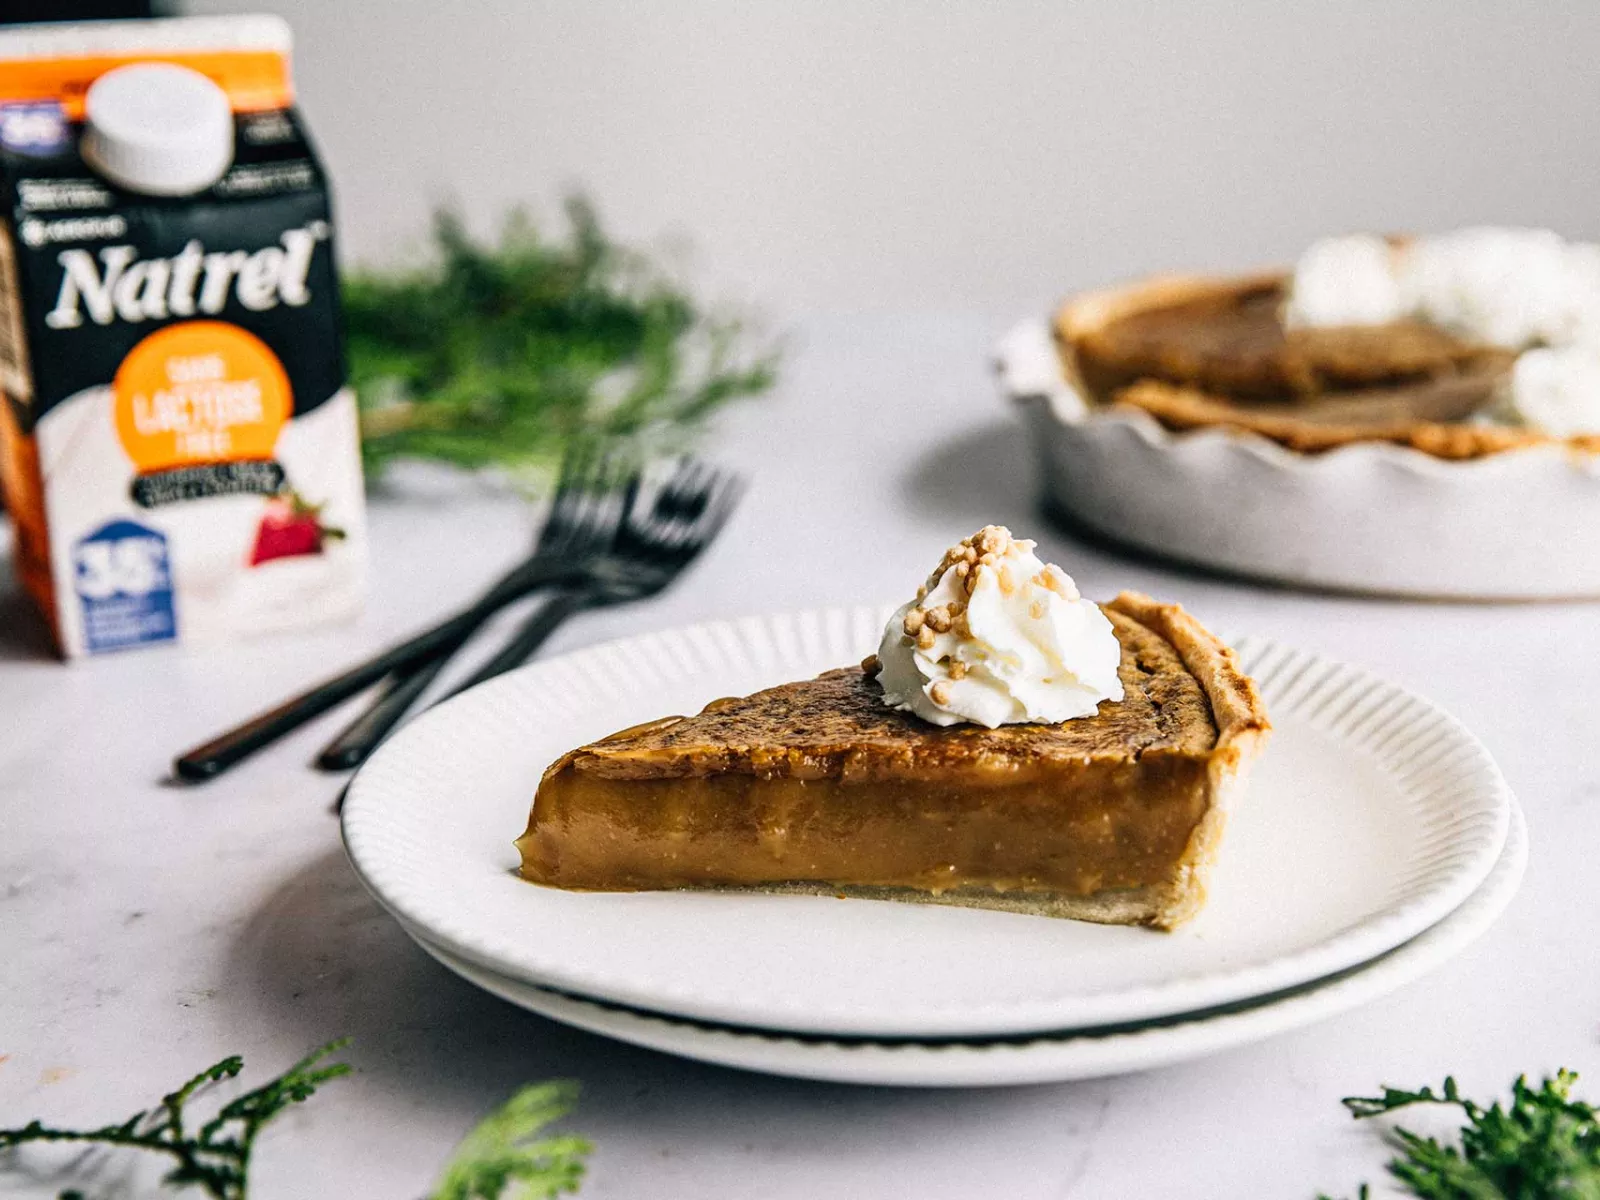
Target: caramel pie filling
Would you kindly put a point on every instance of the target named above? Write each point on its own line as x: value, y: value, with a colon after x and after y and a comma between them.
x: 735, y: 830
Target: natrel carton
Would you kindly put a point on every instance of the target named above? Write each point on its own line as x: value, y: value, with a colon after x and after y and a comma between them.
x: 178, y: 448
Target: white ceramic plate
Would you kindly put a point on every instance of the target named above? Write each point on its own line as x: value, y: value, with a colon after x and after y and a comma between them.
x: 1371, y: 816
x: 1369, y: 518
x: 1046, y: 1059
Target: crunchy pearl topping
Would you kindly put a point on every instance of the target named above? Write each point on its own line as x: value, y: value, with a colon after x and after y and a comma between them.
x: 1019, y: 591
x: 992, y: 549
x: 989, y: 548
x: 871, y: 666
x: 1056, y: 581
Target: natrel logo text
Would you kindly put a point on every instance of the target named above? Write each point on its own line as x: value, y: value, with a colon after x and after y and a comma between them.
x: 190, y: 281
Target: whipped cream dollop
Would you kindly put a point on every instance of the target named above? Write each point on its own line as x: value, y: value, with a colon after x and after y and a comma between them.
x: 1514, y: 288
x: 1557, y: 390
x: 1346, y: 281
x: 1527, y: 290
x: 997, y: 637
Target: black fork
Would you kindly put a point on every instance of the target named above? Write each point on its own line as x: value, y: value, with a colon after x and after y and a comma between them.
x: 651, y: 549
x: 648, y: 552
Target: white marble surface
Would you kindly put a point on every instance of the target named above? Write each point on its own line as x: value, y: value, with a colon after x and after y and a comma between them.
x: 146, y: 929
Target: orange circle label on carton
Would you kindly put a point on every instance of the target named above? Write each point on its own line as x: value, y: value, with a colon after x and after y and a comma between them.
x: 200, y: 392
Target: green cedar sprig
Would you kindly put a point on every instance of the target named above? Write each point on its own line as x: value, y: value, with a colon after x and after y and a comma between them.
x: 504, y: 1151
x: 216, y: 1156
x: 500, y: 355
x: 1544, y: 1145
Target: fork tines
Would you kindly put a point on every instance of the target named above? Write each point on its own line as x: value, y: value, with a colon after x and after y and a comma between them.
x: 690, y: 509
x: 593, y: 494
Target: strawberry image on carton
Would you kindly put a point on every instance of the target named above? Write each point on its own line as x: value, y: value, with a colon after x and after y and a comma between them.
x: 178, y: 447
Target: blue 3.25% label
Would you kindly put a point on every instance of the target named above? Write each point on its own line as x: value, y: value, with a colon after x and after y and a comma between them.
x: 122, y: 576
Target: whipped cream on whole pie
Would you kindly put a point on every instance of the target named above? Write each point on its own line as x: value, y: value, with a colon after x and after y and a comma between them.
x: 998, y: 637
x: 1557, y: 389
x: 1514, y: 288
x: 1526, y: 290
x: 1345, y: 281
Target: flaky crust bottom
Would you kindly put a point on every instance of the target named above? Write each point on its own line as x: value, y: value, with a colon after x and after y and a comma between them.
x: 1183, y: 408
x: 1154, y: 906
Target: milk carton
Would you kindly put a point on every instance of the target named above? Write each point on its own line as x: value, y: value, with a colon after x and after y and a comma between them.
x: 178, y: 448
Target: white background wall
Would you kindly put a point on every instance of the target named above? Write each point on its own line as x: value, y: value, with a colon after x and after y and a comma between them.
x: 865, y: 154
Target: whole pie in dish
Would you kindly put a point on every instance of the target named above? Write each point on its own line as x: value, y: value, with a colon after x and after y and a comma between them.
x: 820, y: 786
x: 1196, y: 352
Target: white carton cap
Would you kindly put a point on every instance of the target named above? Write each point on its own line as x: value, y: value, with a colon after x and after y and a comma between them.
x: 158, y: 128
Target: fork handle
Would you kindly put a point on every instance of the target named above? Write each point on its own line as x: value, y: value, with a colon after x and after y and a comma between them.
x: 361, y: 737
x: 532, y: 634
x: 211, y: 759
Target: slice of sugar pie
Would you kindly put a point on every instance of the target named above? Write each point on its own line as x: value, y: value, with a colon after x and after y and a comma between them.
x: 825, y: 786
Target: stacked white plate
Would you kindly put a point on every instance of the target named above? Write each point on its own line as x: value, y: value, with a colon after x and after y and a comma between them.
x: 1377, y: 839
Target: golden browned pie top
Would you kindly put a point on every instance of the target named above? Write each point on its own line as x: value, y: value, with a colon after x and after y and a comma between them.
x: 1228, y: 336
x: 1184, y: 695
